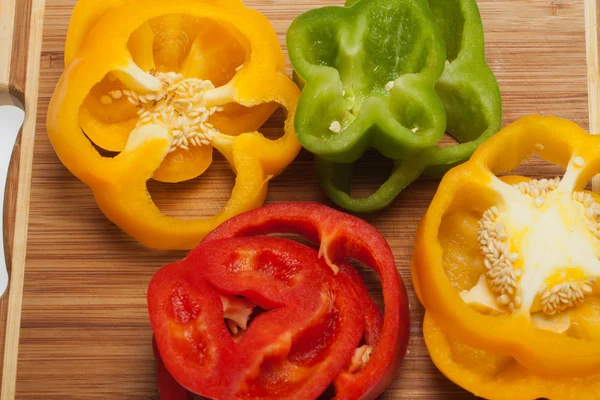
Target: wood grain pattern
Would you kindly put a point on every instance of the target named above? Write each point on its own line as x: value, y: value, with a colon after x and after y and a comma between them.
x: 20, y: 40
x: 7, y: 22
x: 593, y: 63
x: 85, y: 331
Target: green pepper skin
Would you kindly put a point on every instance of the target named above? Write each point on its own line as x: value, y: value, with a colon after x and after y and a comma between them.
x: 468, y: 87
x: 346, y: 56
x: 472, y: 103
x: 335, y: 179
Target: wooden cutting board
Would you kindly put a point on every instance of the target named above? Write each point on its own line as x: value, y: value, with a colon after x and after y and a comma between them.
x: 78, y: 323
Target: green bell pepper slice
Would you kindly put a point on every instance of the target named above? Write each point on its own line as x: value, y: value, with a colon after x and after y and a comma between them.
x: 468, y: 87
x: 370, y: 68
x: 471, y: 98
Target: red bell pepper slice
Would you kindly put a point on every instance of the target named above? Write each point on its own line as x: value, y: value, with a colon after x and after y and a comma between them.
x: 317, y: 327
x: 168, y: 387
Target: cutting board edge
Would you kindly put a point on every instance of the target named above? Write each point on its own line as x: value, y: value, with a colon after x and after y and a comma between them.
x: 29, y: 25
x: 23, y: 36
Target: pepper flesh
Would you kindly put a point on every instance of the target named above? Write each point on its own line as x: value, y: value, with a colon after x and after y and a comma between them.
x: 467, y: 89
x: 289, y: 280
x: 129, y: 47
x: 498, y: 376
x: 340, y: 55
x: 452, y: 279
x: 205, y: 49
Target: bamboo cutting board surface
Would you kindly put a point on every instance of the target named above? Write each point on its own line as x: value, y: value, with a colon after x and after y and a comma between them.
x: 84, y: 331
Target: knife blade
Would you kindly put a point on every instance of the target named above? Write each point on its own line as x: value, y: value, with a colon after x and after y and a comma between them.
x: 11, y: 121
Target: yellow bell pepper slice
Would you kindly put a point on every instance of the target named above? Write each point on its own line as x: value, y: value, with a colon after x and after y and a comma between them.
x: 117, y: 85
x: 181, y: 43
x: 498, y: 376
x: 510, y: 265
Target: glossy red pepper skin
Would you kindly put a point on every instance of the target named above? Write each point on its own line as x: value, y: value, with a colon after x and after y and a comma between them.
x: 315, y: 321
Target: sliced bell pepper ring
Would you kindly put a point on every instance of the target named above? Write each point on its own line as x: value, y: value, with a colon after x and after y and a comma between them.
x: 320, y: 326
x: 368, y: 80
x: 467, y: 89
x: 168, y: 387
x: 510, y: 265
x: 121, y: 86
x: 206, y: 50
x: 498, y: 376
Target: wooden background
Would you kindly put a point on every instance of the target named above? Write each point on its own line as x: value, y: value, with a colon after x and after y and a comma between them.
x: 85, y: 332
